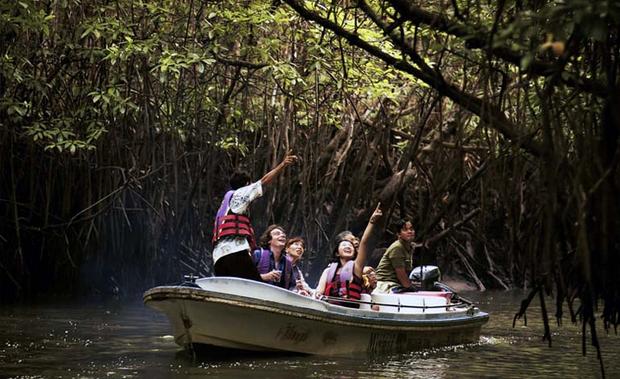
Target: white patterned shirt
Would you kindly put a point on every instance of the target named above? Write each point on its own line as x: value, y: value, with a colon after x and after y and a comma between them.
x: 239, y: 204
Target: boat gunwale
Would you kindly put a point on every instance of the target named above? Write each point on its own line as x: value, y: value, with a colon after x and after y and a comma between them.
x: 405, y: 323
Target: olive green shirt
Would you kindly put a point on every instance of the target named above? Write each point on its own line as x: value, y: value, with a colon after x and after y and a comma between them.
x: 399, y: 254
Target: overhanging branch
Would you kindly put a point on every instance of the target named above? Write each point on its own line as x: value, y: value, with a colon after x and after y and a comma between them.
x: 477, y: 38
x: 486, y: 111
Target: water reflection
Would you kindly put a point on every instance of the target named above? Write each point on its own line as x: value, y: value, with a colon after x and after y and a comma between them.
x: 129, y: 340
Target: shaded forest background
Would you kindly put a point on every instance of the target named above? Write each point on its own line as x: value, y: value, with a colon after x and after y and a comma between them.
x: 493, y: 125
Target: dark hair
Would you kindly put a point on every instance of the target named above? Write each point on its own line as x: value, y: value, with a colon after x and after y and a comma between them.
x: 239, y: 179
x: 265, y: 238
x: 400, y: 224
x: 342, y: 235
x: 335, y: 257
x: 292, y: 240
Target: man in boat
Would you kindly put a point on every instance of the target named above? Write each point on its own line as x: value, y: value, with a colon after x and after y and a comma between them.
x: 272, y: 263
x: 397, y: 262
x: 233, y: 235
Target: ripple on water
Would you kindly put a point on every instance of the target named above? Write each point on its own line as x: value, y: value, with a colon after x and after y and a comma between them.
x: 490, y: 340
x: 130, y: 340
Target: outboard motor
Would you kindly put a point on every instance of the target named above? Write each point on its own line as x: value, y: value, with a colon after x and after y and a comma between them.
x: 427, y: 276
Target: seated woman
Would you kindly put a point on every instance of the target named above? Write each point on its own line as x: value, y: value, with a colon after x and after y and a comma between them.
x: 343, y: 277
x: 349, y: 236
x: 294, y: 250
x: 271, y: 261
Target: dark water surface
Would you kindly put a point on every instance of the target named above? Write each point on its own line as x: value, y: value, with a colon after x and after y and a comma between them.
x: 121, y: 340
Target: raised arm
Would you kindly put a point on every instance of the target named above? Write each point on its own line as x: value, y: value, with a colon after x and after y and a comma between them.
x: 362, y: 252
x: 269, y: 177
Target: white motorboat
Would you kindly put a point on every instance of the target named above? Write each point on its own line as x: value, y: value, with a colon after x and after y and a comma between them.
x: 248, y: 315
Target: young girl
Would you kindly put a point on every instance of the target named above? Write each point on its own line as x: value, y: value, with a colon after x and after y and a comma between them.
x: 343, y: 277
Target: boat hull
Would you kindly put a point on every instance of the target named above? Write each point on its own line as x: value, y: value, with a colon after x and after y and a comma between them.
x: 283, y: 321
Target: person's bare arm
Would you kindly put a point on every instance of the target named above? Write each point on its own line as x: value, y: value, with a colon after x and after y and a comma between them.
x: 320, y: 288
x: 269, y: 177
x: 362, y: 253
x: 402, y: 276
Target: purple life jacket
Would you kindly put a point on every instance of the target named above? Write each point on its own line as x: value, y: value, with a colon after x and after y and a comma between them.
x: 221, y: 212
x: 264, y: 264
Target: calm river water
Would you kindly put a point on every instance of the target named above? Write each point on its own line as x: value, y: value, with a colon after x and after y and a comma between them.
x: 128, y: 340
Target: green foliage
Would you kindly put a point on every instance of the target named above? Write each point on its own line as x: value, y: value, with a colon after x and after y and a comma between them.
x: 108, y: 65
x: 165, y: 86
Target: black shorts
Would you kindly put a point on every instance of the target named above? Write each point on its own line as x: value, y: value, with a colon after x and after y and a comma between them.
x: 239, y: 265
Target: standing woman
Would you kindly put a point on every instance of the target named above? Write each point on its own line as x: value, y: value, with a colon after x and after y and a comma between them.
x: 343, y: 277
x: 233, y: 235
